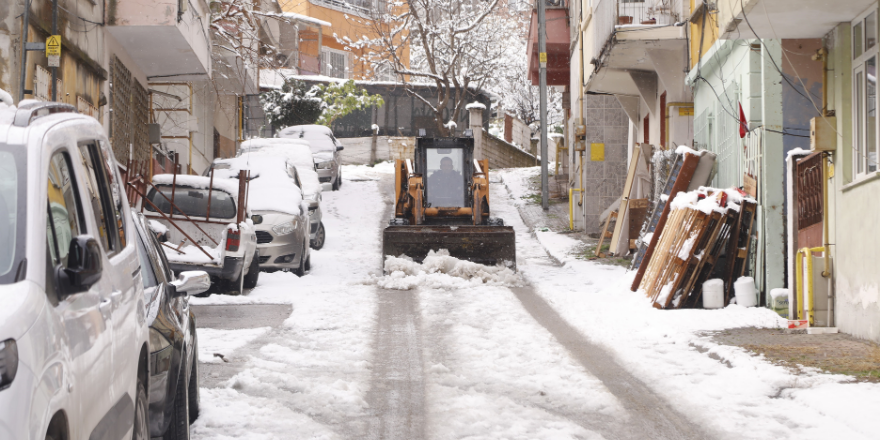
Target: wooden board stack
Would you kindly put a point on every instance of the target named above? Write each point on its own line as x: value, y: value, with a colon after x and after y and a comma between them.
x: 700, y: 227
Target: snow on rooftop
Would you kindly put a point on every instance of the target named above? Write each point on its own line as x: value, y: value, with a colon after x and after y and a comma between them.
x: 305, y: 18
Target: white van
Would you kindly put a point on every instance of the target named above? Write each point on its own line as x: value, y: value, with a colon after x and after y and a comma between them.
x: 73, y: 337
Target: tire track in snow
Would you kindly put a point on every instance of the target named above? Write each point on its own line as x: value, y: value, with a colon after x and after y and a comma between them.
x: 648, y: 415
x: 397, y: 393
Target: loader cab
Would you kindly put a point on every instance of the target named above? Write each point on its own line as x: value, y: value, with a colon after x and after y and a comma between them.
x: 447, y: 168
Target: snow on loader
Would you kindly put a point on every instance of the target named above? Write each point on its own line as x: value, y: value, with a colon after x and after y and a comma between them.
x: 442, y: 202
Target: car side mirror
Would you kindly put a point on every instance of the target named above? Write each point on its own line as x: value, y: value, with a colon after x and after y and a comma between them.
x: 191, y: 282
x: 84, y: 266
x: 339, y: 148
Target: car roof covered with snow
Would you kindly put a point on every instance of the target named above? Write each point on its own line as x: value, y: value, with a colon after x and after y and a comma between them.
x: 271, y: 187
x: 319, y: 136
x: 296, y: 152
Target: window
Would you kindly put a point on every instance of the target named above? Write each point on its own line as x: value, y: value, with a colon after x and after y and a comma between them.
x: 12, y: 199
x: 63, y: 212
x: 865, y: 54
x: 334, y: 63
x: 445, y: 187
x: 98, y: 188
x: 193, y: 202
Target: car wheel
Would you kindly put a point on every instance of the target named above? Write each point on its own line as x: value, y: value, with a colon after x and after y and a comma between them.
x: 193, y: 392
x: 140, y: 430
x: 318, y: 242
x: 253, y: 274
x: 336, y: 185
x: 301, y: 269
x: 178, y: 429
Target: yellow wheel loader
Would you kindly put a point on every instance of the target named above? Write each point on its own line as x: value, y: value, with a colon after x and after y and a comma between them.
x: 442, y: 202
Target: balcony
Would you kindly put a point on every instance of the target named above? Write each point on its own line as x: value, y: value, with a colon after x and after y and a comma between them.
x: 791, y: 19
x: 629, y: 38
x: 166, y: 38
x: 558, y: 43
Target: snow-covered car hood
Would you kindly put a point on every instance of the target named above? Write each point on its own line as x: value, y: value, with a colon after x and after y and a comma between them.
x: 323, y: 156
x: 20, y: 304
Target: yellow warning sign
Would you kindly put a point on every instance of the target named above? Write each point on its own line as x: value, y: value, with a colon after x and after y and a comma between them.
x: 685, y: 111
x: 53, y: 45
x: 542, y: 57
x: 597, y: 152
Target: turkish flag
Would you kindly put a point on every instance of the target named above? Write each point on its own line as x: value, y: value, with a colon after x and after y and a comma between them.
x: 743, y: 124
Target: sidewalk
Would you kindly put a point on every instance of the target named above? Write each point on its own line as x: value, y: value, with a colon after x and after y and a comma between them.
x: 797, y: 352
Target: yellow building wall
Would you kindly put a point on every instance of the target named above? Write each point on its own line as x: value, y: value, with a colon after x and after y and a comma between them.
x: 708, y: 35
x: 354, y: 27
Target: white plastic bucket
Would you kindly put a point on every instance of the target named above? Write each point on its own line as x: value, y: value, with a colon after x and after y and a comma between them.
x: 713, y: 294
x: 746, y: 294
x: 779, y: 301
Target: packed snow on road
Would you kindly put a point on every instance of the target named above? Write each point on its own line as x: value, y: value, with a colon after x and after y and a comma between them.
x: 483, y: 359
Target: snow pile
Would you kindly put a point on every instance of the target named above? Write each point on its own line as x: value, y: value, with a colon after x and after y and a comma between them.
x: 158, y: 227
x: 442, y: 271
x: 475, y: 105
x: 214, y: 343
x: 707, y: 199
x: 366, y: 172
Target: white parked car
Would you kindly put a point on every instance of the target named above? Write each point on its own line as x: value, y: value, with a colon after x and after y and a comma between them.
x: 298, y: 153
x: 281, y: 217
x: 230, y: 242
x: 325, y: 148
x: 74, y: 341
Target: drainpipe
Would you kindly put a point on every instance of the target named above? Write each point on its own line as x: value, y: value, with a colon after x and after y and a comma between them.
x: 822, y: 55
x: 666, y: 122
x: 827, y: 269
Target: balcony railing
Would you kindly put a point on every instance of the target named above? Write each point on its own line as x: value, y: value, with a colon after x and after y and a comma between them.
x: 648, y: 12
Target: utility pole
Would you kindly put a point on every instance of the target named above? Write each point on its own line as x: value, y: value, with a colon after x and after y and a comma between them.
x: 24, y: 49
x: 542, y: 49
x: 54, y: 84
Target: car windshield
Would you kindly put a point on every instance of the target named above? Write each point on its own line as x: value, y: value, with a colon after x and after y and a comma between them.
x: 319, y: 142
x: 12, y: 209
x: 192, y: 202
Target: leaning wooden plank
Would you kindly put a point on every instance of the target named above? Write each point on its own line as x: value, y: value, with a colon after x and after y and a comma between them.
x: 683, y: 253
x: 689, y: 165
x: 738, y: 246
x: 624, y: 202
x: 712, y: 255
x: 602, y: 236
x: 703, y: 244
x: 653, y: 266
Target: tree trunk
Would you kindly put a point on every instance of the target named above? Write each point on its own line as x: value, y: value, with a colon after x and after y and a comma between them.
x: 375, y: 136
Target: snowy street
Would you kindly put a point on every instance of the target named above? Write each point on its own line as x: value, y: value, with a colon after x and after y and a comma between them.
x: 448, y: 349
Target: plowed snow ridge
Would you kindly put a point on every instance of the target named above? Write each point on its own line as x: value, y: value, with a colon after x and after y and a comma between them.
x: 441, y: 271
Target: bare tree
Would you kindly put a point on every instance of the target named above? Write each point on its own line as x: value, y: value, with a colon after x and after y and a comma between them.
x: 455, y: 45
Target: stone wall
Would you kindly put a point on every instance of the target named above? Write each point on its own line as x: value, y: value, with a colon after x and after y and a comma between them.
x: 607, y: 123
x: 357, y: 150
x: 504, y: 155
x: 500, y: 153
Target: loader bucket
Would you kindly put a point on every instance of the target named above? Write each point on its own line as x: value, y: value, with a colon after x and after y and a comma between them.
x: 488, y: 245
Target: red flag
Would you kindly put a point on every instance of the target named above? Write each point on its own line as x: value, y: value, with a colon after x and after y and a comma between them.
x: 743, y: 124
